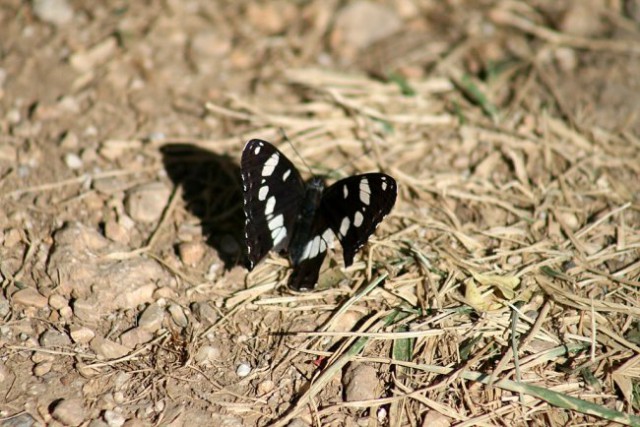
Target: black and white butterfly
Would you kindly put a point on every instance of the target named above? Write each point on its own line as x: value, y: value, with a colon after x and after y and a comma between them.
x: 286, y: 214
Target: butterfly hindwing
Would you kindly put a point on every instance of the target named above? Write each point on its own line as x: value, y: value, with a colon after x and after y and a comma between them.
x: 354, y: 206
x: 273, y: 191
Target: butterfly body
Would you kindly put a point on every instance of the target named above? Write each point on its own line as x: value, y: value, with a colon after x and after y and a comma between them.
x: 288, y: 215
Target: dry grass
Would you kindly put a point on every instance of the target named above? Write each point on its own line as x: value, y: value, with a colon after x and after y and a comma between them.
x: 510, y: 260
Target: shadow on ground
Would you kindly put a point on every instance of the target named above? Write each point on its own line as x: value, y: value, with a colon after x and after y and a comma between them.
x: 212, y: 191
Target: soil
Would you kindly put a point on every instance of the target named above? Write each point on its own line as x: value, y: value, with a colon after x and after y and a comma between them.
x: 513, y: 130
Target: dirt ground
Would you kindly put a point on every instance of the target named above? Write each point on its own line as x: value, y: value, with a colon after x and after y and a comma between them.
x: 501, y: 290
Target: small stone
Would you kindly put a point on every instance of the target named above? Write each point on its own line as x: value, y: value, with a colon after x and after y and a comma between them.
x: 265, y: 387
x: 87, y: 310
x: 272, y: 17
x: 135, y: 336
x: 30, y: 297
x: 66, y: 312
x: 178, y: 316
x: 5, y: 306
x: 57, y: 302
x: 40, y: 356
x: 360, y: 24
x: 5, y: 373
x: 145, y: 203
x: 42, y: 368
x: 73, y: 161
x: 98, y: 423
x: 151, y: 318
x: 114, y: 149
x: 113, y: 418
x: 57, y: 12
x: 86, y: 60
x: 108, y: 349
x: 243, y: 370
x: 583, y: 18
x: 69, y: 141
x: 360, y: 382
x: 191, y: 252
x: 205, y: 313
x: 81, y: 334
x: 346, y: 321
x: 12, y: 237
x: 69, y: 412
x: 53, y: 338
x: 207, y: 355
x: 435, y: 419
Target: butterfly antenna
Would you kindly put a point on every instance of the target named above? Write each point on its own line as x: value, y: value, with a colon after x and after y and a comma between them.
x: 286, y: 138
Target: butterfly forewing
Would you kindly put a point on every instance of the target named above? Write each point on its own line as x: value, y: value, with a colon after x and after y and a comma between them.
x: 273, y: 191
x: 354, y: 206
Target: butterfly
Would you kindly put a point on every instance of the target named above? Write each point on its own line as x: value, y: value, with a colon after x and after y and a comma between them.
x: 286, y: 214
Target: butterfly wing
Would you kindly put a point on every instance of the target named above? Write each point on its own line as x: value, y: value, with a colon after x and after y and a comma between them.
x: 273, y: 191
x: 306, y: 268
x: 354, y: 206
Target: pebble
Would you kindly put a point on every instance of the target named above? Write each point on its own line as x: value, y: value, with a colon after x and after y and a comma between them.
x: 69, y: 412
x: 205, y: 313
x: 87, y: 60
x: 114, y: 149
x: 583, y: 18
x: 272, y: 17
x: 113, y: 418
x: 5, y: 307
x: 191, y: 253
x: 12, y: 237
x: 208, y: 45
x: 42, y: 368
x: 243, y: 370
x: 57, y: 302
x: 87, y: 310
x: 116, y: 232
x: 53, y: 338
x: 81, y: 334
x: 151, y: 318
x: 135, y: 336
x: 360, y: 382
x: 360, y: 24
x: 22, y: 420
x: 265, y: 387
x: 4, y: 373
x: 435, y: 419
x: 178, y: 316
x: 57, y: 12
x: 98, y: 423
x: 30, y: 297
x: 108, y: 349
x: 73, y: 161
x: 298, y: 422
x: 146, y: 203
x: 208, y: 354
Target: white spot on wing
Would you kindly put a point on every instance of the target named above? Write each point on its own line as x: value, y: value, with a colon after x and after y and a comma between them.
x: 344, y: 226
x: 384, y: 185
x: 271, y: 204
x: 278, y: 235
x: 257, y: 150
x: 365, y: 191
x: 345, y: 191
x: 315, y: 247
x: 276, y: 222
x: 270, y: 164
x: 286, y: 175
x: 357, y: 219
x: 327, y: 237
x: 262, y: 193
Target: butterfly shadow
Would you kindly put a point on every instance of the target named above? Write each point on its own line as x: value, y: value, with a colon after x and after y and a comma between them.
x: 212, y: 191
